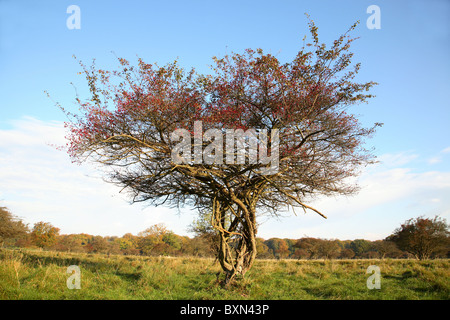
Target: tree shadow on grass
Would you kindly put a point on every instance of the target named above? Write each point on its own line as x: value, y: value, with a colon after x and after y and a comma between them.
x: 405, y: 275
x: 129, y: 276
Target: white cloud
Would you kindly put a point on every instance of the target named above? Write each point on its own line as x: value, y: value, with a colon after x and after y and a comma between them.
x: 387, y: 198
x: 446, y: 150
x: 434, y: 160
x: 39, y: 183
x: 439, y: 157
x: 397, y: 159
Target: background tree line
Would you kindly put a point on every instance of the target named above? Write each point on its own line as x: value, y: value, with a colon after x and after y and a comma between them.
x: 420, y: 238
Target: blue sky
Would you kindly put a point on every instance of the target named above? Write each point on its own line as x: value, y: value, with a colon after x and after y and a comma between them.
x: 408, y: 57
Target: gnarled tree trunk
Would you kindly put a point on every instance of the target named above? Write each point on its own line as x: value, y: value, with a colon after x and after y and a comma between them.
x: 236, y: 225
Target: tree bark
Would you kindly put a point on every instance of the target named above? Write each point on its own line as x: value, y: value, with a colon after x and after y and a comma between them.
x: 237, y: 237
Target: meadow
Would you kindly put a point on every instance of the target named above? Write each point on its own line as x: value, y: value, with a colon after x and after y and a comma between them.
x: 34, y: 275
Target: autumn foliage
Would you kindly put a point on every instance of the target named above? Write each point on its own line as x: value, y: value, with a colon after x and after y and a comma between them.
x: 421, y: 238
x: 44, y: 234
x: 127, y: 123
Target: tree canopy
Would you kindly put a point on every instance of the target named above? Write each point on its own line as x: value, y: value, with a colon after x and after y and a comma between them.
x: 423, y: 237
x: 297, y: 112
x: 11, y: 227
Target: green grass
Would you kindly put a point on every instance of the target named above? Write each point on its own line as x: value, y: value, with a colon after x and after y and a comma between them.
x: 32, y: 274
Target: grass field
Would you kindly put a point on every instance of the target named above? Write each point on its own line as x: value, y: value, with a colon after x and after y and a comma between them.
x: 33, y: 274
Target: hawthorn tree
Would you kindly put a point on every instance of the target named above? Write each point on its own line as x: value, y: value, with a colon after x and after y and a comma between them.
x: 44, y: 234
x: 297, y: 112
x: 423, y: 237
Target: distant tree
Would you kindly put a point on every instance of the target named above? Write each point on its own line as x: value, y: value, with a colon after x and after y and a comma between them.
x: 328, y: 249
x: 157, y: 230
x: 202, y: 228
x: 82, y: 238
x: 282, y: 250
x: 310, y: 246
x: 99, y: 244
x: 112, y: 246
x: 128, y: 244
x: 44, y: 234
x: 423, y: 237
x: 151, y: 240
x: 371, y: 254
x: 278, y: 247
x: 360, y: 247
x: 262, y: 249
x: 290, y: 243
x: 347, y: 253
x: 173, y: 241
x: 186, y: 246
x: 386, y: 249
x: 301, y: 254
x: 11, y: 227
x: 70, y: 243
x: 201, y: 247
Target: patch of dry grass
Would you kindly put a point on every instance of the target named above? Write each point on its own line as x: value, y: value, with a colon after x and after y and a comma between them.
x: 33, y: 274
